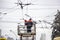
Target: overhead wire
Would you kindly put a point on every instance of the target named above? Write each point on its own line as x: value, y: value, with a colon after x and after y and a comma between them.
x: 9, y: 22
x: 50, y: 16
x: 39, y: 4
x: 31, y: 8
x: 9, y: 11
x: 14, y: 9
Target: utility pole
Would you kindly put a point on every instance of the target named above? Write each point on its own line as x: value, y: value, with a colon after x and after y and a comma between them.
x: 22, y: 5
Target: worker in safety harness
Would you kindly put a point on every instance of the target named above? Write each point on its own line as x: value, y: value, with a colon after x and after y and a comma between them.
x: 29, y: 24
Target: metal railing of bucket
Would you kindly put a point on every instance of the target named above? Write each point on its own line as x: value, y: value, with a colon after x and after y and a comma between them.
x: 23, y: 29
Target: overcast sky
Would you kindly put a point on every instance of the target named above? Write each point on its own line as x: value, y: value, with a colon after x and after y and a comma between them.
x: 39, y: 11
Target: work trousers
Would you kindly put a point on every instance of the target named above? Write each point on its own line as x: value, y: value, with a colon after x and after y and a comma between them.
x: 29, y: 28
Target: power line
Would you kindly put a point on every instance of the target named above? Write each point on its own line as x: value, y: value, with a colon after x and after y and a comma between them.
x: 10, y: 22
x: 11, y: 9
x: 31, y: 8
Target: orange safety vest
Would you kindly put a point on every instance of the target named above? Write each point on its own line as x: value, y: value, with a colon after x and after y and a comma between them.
x: 29, y: 21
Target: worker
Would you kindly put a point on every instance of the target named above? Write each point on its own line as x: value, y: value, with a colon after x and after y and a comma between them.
x: 29, y: 24
x: 25, y: 22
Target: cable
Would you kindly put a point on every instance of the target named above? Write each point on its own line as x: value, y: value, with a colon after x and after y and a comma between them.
x: 52, y: 14
x: 34, y: 8
x: 10, y: 21
x: 7, y: 9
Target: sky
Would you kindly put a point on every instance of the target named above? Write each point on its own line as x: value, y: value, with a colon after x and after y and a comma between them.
x: 41, y: 10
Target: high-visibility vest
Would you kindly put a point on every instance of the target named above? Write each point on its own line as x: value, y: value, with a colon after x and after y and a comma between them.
x: 29, y: 21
